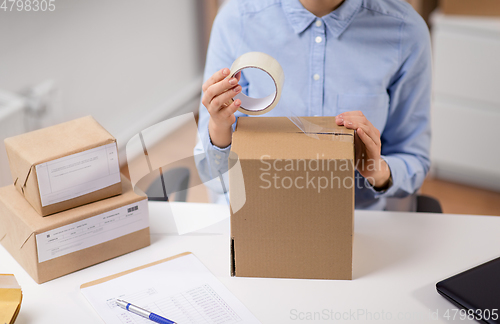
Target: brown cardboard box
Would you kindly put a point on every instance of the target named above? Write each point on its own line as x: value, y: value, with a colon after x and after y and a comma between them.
x: 471, y: 8
x: 297, y: 221
x: 50, y: 247
x: 95, y: 162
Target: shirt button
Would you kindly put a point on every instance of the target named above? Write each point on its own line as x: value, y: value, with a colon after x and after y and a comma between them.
x: 318, y: 39
x: 316, y: 77
x: 318, y: 23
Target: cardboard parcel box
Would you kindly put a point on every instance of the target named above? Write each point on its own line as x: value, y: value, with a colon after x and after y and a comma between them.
x: 50, y: 247
x: 65, y: 166
x: 297, y: 221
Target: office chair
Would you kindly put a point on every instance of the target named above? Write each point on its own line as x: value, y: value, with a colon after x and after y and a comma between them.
x: 414, y: 203
x: 428, y: 204
x: 170, y: 185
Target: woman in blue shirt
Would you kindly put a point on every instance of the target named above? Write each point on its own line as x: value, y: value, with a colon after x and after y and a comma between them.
x: 368, y: 62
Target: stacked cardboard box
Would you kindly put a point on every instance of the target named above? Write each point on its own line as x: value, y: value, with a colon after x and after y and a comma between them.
x: 68, y: 207
x: 64, y: 166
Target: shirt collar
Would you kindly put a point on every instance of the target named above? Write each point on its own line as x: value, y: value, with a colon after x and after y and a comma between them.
x: 336, y: 21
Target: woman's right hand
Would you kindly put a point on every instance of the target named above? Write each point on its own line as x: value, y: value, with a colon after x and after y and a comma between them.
x: 217, y: 94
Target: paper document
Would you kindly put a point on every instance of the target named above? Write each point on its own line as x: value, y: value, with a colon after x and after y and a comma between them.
x: 78, y: 174
x: 92, y: 231
x: 181, y: 289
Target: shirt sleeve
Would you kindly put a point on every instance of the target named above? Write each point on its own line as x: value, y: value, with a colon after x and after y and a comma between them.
x: 212, y: 161
x: 406, y: 137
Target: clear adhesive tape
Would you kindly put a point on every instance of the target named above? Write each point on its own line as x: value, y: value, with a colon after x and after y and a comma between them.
x: 259, y: 106
x: 268, y: 64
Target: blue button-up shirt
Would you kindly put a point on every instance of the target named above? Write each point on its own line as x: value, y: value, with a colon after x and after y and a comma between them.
x: 367, y: 55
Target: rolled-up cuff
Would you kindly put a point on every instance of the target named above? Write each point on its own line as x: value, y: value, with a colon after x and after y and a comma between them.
x: 218, y: 156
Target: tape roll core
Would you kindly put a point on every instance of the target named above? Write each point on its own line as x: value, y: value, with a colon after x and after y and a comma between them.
x: 266, y: 63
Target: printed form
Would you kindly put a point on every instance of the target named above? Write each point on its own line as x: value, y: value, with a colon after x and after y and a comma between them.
x: 78, y: 174
x: 182, y: 290
x: 92, y: 231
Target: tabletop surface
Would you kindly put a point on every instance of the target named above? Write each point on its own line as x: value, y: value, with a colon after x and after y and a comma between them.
x: 397, y: 260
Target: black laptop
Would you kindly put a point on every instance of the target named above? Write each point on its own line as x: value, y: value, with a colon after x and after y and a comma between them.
x: 477, y: 291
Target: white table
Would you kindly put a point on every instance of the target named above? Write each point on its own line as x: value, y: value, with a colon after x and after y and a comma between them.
x: 398, y: 258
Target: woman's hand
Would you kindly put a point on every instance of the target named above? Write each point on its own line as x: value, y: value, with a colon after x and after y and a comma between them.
x: 217, y: 95
x: 368, y: 146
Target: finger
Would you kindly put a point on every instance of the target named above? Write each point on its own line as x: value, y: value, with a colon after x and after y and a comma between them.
x: 217, y: 103
x: 370, y: 145
x: 359, y: 147
x: 219, y: 88
x: 231, y: 109
x: 238, y: 76
x: 339, y: 119
x: 216, y: 77
x: 349, y: 114
x: 354, y: 122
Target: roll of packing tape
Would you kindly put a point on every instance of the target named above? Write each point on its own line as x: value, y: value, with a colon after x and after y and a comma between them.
x: 266, y: 63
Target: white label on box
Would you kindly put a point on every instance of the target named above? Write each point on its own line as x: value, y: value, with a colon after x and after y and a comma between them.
x: 78, y: 174
x: 92, y: 231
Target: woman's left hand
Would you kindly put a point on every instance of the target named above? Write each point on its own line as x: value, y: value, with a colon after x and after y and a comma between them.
x: 368, y: 147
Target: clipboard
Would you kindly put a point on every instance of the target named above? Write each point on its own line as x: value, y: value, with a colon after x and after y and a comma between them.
x: 180, y: 288
x: 120, y: 274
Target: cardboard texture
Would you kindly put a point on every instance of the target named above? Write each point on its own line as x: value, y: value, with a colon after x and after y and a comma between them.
x: 19, y: 224
x: 470, y: 8
x: 297, y: 221
x: 30, y: 149
x: 10, y: 298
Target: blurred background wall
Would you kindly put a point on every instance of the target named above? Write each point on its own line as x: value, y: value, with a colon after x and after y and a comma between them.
x: 129, y: 64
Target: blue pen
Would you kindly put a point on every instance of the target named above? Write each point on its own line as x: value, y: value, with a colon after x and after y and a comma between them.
x: 142, y: 312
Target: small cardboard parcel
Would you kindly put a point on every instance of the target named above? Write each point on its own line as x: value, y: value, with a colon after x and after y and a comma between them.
x: 297, y: 221
x: 50, y: 247
x: 65, y: 166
